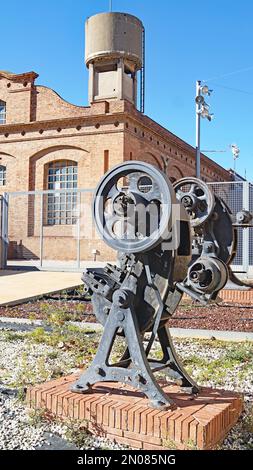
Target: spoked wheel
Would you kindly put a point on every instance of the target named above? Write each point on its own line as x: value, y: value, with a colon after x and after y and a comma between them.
x: 197, y: 199
x: 132, y: 207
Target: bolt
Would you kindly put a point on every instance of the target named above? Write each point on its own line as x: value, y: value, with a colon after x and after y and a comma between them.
x: 140, y: 379
x: 100, y: 371
x: 186, y: 201
x: 121, y: 316
x: 120, y: 298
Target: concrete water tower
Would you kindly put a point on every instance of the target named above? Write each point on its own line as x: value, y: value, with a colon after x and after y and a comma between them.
x: 114, y: 53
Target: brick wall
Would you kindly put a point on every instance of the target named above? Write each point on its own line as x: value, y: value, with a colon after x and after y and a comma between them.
x: 41, y: 127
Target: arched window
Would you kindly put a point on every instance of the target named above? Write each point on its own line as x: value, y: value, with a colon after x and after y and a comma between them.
x: 2, y: 175
x: 2, y: 112
x: 62, y: 174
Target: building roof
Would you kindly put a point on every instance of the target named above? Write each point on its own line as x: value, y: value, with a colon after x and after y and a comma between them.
x: 31, y: 76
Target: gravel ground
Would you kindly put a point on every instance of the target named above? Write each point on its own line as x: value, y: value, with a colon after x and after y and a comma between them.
x: 23, y: 362
x: 224, y: 316
x: 19, y: 431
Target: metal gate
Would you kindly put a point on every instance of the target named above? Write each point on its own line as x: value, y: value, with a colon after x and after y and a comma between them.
x: 238, y: 195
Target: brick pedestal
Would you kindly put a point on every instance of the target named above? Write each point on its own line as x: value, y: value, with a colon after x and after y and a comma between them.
x: 123, y: 414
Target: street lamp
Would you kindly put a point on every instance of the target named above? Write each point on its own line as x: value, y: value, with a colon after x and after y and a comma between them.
x: 202, y: 111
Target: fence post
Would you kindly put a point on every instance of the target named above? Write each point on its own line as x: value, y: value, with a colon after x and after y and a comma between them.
x: 4, y: 230
x: 245, y: 244
x: 41, y: 227
x: 78, y: 228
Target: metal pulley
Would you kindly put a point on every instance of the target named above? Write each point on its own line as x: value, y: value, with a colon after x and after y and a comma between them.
x: 196, y: 198
x: 207, y: 275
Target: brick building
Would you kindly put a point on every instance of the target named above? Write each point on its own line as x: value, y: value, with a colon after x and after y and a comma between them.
x: 47, y: 143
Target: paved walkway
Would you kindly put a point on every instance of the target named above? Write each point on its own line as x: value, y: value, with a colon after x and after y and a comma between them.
x: 17, y: 287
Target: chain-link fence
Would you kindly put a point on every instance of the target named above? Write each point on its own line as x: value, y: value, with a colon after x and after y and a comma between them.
x: 238, y: 195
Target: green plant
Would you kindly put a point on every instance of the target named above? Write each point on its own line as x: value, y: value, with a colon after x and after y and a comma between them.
x: 247, y: 422
x: 169, y: 444
x: 77, y: 432
x: 191, y: 445
x: 53, y: 355
x: 13, y: 336
x: 39, y: 416
x: 240, y: 353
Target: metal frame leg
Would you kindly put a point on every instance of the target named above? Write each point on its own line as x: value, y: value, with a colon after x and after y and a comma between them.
x: 139, y: 373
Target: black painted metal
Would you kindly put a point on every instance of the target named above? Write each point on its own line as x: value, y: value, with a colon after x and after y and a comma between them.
x: 135, y: 299
x: 214, y: 240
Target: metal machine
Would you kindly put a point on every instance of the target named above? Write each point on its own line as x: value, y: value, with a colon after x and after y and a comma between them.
x: 213, y: 239
x: 169, y: 241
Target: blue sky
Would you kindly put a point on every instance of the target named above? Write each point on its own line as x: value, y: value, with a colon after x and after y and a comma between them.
x: 186, y: 40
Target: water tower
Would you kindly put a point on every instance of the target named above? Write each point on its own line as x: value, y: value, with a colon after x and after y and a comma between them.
x: 114, y: 53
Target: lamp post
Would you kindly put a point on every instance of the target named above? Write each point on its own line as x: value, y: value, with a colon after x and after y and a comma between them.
x: 235, y: 152
x: 198, y: 107
x: 202, y: 111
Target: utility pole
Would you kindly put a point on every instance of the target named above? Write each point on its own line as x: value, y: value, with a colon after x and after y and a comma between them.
x: 202, y: 111
x: 110, y: 5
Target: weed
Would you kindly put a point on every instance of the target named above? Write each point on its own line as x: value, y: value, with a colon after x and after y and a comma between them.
x: 247, y: 422
x: 39, y: 416
x: 11, y: 336
x: 170, y: 445
x: 77, y: 432
x: 240, y: 353
x: 53, y: 355
x: 191, y: 445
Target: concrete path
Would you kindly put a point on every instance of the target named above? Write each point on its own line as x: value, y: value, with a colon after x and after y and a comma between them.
x: 211, y: 334
x: 24, y: 324
x: 17, y: 287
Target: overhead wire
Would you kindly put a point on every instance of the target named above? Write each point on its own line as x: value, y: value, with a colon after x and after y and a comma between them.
x: 247, y: 69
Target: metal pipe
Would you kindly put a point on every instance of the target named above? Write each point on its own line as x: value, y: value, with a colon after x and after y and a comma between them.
x: 142, y: 97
